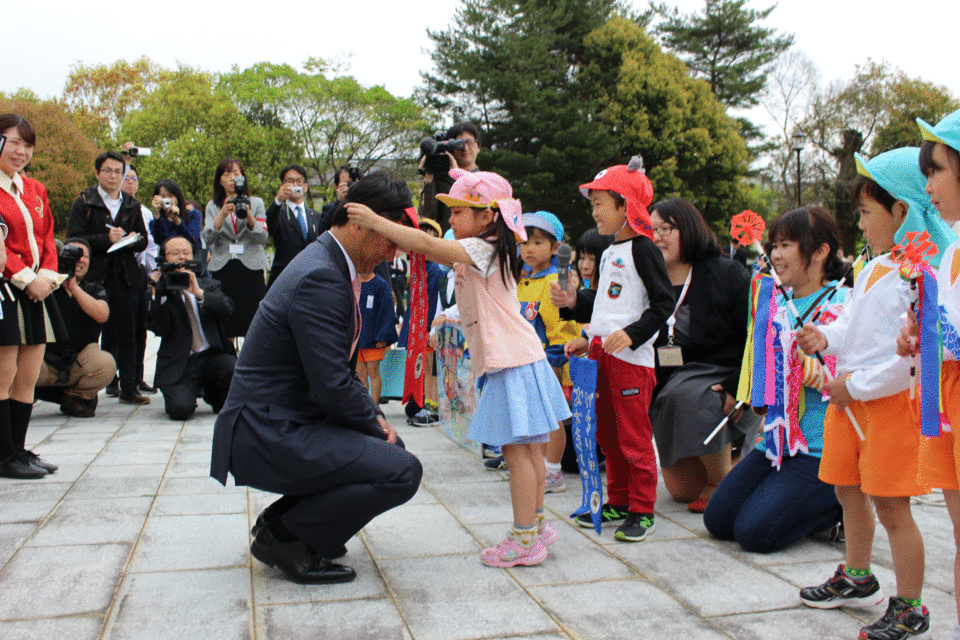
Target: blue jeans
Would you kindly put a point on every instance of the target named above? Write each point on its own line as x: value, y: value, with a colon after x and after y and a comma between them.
x: 766, y: 510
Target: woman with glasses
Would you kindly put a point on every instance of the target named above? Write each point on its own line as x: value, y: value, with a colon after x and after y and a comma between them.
x: 30, y: 316
x: 699, y: 352
x: 235, y: 232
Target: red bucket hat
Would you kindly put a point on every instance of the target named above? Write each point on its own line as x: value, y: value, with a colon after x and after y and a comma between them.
x: 631, y: 182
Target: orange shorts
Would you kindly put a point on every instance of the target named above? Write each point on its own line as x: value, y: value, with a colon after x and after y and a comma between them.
x: 371, y: 355
x: 940, y: 457
x: 886, y: 463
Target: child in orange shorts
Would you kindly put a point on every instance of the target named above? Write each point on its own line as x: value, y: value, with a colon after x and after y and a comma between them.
x: 881, y: 467
x: 940, y: 457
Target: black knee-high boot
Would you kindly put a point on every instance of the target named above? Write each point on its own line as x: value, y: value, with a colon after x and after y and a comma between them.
x: 20, y: 413
x: 7, y: 447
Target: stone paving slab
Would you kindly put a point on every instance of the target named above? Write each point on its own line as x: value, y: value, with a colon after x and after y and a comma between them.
x: 132, y: 540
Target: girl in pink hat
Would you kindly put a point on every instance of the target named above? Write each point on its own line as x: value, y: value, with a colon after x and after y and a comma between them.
x: 521, y: 401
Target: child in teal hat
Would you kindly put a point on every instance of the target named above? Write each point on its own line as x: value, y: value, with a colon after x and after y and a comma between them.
x: 940, y: 457
x: 882, y: 469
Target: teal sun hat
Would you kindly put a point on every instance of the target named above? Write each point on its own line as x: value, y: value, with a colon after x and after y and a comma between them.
x: 898, y: 172
x: 947, y: 130
x: 546, y: 221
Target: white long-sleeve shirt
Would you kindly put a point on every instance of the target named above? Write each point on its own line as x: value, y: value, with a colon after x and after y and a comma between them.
x: 864, y: 337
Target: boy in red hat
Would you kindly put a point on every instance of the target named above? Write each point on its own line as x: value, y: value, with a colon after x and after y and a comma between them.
x: 632, y: 300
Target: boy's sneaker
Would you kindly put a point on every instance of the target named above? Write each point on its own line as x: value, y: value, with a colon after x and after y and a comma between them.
x: 841, y: 590
x: 510, y: 553
x: 495, y: 464
x: 423, y: 418
x: 554, y: 483
x: 636, y: 527
x: 900, y: 622
x: 610, y: 514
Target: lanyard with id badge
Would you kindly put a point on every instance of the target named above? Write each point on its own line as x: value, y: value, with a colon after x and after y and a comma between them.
x: 670, y: 355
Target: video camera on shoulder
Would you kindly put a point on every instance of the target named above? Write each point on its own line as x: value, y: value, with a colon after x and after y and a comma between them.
x: 138, y: 151
x: 175, y: 280
x: 241, y: 200
x: 436, y: 148
x: 67, y: 260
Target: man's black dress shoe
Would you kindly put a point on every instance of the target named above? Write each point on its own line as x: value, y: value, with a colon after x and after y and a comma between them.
x: 113, y: 389
x: 143, y: 387
x: 268, y: 514
x: 19, y: 467
x: 297, y: 561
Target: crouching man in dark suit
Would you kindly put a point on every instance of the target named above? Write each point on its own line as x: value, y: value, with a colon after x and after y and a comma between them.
x: 195, y: 357
x: 298, y: 421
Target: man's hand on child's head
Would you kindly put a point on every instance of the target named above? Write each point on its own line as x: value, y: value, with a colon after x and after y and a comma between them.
x: 810, y: 339
x: 907, y: 340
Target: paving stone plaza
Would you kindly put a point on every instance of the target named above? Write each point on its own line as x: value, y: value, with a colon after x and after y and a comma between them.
x: 132, y: 540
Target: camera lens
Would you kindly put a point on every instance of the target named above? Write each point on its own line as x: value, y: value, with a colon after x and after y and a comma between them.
x: 166, y: 203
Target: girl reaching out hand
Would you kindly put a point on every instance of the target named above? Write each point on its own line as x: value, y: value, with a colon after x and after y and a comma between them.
x: 521, y: 400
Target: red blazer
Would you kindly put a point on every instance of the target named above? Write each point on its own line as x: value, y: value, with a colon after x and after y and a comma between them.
x: 19, y: 256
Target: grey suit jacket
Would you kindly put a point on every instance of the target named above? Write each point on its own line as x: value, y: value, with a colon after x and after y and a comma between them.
x: 302, y: 410
x: 219, y: 240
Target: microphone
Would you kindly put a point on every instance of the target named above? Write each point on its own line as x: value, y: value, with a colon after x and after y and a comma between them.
x: 563, y: 265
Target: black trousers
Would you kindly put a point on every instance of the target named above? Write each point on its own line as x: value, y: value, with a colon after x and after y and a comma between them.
x: 120, y: 334
x: 207, y: 374
x: 327, y: 511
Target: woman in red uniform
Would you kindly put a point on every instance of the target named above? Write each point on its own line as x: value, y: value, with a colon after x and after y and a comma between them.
x: 30, y: 316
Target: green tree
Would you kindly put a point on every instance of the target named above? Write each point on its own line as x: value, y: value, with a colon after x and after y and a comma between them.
x: 192, y: 125
x: 63, y: 156
x: 556, y: 104
x: 101, y: 96
x: 334, y: 120
x: 876, y: 110
x: 725, y: 45
x: 691, y: 148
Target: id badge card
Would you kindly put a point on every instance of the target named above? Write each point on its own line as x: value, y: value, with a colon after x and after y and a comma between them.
x: 236, y: 249
x: 670, y: 356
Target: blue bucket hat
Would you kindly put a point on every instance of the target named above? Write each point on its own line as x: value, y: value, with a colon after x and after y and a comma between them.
x: 545, y: 221
x: 947, y: 130
x: 898, y: 172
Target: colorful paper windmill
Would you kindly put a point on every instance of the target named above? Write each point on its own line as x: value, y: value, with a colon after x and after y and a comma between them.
x: 747, y: 227
x: 913, y: 254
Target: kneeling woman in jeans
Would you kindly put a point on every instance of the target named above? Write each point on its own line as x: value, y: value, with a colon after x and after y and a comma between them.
x: 760, y: 505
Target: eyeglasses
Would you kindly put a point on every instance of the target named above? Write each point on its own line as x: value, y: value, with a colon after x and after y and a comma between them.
x: 112, y: 172
x: 294, y: 181
x: 131, y: 179
x: 664, y: 231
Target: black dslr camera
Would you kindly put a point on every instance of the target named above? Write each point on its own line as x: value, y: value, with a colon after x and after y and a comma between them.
x: 436, y: 148
x: 174, y: 280
x: 241, y: 200
x: 67, y: 260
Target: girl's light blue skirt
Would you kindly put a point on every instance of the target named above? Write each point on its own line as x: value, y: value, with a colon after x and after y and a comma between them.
x: 519, y: 405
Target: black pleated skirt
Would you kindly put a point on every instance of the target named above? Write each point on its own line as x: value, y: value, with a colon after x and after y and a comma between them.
x: 38, y: 322
x: 246, y: 288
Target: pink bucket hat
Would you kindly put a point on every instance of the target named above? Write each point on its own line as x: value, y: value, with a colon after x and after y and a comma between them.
x: 485, y: 189
x: 631, y: 182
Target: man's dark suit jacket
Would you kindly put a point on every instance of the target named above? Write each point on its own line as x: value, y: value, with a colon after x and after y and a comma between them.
x: 284, y: 228
x: 89, y: 218
x: 296, y: 407
x: 168, y: 319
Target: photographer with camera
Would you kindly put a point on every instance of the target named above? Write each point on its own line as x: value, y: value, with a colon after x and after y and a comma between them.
x: 76, y: 369
x: 291, y: 223
x: 170, y: 216
x: 106, y: 216
x: 187, y: 313
x: 457, y: 149
x: 235, y: 232
x: 346, y: 175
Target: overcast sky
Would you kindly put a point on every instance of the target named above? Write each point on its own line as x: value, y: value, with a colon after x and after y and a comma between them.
x: 388, y: 38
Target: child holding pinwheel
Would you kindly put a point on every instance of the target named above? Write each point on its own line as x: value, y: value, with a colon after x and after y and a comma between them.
x: 940, y: 457
x: 882, y: 466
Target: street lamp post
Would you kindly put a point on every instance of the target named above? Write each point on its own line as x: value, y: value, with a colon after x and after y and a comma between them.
x: 798, y: 140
